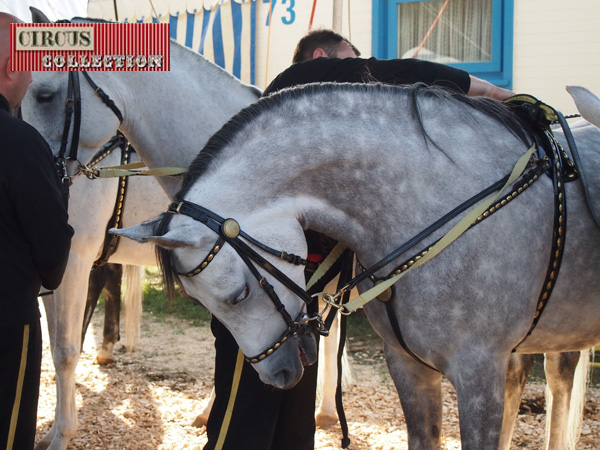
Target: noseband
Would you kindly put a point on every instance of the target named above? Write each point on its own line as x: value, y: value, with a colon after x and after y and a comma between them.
x: 228, y: 231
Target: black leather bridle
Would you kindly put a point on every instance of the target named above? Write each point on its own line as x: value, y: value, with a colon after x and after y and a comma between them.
x: 228, y: 231
x: 73, y: 114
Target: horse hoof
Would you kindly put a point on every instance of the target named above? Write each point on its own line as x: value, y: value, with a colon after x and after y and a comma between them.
x: 42, y: 445
x: 325, y: 421
x: 200, y: 421
x: 104, y: 358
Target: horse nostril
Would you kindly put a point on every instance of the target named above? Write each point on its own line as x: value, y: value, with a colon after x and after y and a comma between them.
x: 45, y: 98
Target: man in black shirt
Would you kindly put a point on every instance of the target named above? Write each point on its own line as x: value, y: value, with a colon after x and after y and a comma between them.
x: 247, y: 415
x: 325, y: 56
x: 34, y: 245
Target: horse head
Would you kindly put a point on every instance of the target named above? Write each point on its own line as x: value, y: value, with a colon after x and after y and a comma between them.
x: 68, y: 113
x: 231, y: 284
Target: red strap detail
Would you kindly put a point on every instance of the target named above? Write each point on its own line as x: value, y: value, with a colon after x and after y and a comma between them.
x: 315, y: 257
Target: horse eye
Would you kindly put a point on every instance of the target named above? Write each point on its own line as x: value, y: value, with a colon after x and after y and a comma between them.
x: 45, y: 97
x: 243, y: 296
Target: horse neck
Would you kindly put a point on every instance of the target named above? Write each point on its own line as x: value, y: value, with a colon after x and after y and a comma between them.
x: 339, y: 207
x: 348, y: 172
x: 169, y: 116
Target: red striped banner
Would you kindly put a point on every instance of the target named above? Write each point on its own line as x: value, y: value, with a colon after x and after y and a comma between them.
x: 90, y: 46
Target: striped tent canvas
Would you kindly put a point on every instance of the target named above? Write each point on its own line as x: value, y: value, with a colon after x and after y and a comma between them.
x: 223, y: 31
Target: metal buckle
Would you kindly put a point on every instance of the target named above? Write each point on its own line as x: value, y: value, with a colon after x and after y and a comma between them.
x: 176, y: 210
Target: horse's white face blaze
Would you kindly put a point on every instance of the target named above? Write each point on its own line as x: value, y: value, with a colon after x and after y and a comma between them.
x: 231, y: 292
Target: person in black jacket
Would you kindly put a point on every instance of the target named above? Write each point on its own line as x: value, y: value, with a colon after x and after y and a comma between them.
x: 249, y: 415
x: 34, y: 245
x: 325, y: 56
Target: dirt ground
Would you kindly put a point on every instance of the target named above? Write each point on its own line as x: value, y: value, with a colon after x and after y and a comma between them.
x: 148, y: 399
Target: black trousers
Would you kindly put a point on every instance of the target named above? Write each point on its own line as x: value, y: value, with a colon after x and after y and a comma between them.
x: 259, y: 417
x: 21, y: 356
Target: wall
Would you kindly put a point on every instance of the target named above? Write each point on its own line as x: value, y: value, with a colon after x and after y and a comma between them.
x: 556, y: 43
x: 274, y: 53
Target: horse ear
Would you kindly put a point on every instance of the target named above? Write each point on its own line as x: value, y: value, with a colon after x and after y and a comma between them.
x: 587, y: 103
x: 181, y: 236
x: 38, y: 16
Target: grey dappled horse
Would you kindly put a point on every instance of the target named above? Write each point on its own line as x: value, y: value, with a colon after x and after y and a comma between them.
x: 341, y: 160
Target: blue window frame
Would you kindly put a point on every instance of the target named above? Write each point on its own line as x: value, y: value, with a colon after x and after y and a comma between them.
x: 494, y: 62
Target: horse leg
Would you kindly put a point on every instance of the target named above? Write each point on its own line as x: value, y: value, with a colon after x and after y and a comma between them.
x: 69, y: 307
x: 420, y: 391
x: 479, y: 378
x: 565, y: 397
x: 132, y: 305
x: 112, y: 311
x: 202, y: 418
x: 96, y: 283
x: 519, y: 367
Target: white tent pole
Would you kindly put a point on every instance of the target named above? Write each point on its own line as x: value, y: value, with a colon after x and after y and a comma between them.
x: 337, y: 16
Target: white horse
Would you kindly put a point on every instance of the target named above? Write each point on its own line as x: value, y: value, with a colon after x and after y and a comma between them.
x: 375, y: 181
x: 208, y: 97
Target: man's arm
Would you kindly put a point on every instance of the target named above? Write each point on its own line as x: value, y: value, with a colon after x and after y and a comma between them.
x: 40, y: 209
x: 482, y: 88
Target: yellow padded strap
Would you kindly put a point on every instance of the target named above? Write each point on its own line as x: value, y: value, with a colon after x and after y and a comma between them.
x: 19, y: 392
x: 237, y: 374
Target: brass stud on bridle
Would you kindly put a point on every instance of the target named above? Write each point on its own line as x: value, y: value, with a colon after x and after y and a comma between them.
x: 231, y: 228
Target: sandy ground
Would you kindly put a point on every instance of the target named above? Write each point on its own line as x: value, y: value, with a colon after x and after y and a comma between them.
x: 148, y: 399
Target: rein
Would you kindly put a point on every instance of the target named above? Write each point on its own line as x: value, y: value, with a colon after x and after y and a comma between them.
x: 73, y: 113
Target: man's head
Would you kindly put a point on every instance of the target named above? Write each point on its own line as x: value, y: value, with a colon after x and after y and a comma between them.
x: 13, y: 84
x: 324, y: 44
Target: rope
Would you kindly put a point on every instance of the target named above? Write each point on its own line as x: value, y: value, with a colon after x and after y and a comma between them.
x: 349, y: 29
x: 116, y: 12
x: 312, y: 15
x: 431, y: 28
x: 268, y: 42
x: 154, y: 11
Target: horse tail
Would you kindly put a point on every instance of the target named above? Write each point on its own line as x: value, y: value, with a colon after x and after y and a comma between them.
x: 346, y: 368
x: 327, y: 376
x: 576, y: 407
x: 132, y: 305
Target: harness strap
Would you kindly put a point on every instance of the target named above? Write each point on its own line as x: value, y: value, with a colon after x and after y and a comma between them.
x: 76, y: 116
x: 345, y: 275
x: 111, y: 241
x: 559, y: 234
x: 579, y: 167
x: 454, y: 233
x: 105, y: 98
x: 69, y: 110
x: 325, y: 265
x: 131, y: 169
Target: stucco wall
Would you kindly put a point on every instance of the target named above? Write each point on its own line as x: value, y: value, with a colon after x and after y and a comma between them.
x: 556, y: 43
x: 284, y: 37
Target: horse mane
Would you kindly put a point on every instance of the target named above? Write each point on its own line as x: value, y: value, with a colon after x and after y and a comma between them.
x: 236, y: 125
x: 215, y: 145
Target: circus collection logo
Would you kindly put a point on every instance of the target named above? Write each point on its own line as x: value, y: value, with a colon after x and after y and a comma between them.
x: 90, y: 46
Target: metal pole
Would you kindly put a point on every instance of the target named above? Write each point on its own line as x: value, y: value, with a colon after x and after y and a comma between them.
x: 116, y: 12
x: 337, y: 16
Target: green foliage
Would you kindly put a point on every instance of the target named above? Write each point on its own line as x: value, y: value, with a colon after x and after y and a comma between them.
x: 180, y: 306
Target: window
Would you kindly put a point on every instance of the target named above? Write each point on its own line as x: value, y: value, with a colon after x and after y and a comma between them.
x: 474, y: 35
